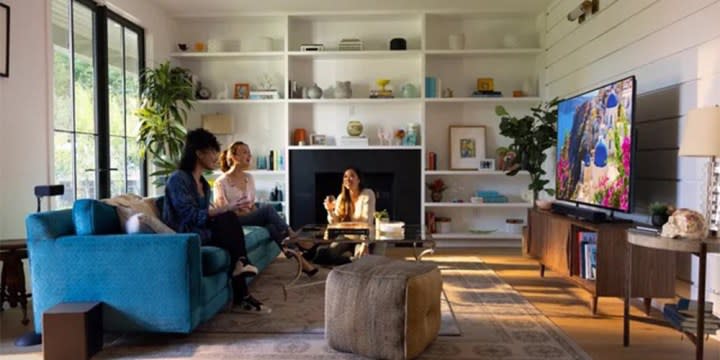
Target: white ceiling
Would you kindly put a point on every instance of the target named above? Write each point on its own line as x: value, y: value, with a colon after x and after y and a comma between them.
x: 235, y: 7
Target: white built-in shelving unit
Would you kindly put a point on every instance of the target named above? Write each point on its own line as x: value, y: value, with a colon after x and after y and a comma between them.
x: 268, y: 124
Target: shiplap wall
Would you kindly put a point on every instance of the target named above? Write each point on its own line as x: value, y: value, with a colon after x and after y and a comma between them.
x: 673, y: 48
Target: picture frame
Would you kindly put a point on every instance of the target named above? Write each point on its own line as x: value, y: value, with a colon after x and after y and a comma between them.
x: 242, y: 91
x: 485, y: 84
x: 318, y: 139
x: 4, y: 40
x: 466, y: 146
x: 487, y: 165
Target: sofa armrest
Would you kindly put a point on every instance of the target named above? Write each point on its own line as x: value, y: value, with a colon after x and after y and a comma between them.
x: 49, y: 225
x: 147, y: 281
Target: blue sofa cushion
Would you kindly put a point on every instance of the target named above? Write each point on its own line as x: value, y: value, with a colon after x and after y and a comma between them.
x: 255, y: 236
x: 214, y: 260
x: 93, y: 217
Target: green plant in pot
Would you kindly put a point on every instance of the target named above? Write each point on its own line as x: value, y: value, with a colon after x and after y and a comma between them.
x: 660, y: 213
x: 531, y: 136
x: 165, y: 99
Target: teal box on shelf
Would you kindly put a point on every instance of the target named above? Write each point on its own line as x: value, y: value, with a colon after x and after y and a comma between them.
x: 430, y: 87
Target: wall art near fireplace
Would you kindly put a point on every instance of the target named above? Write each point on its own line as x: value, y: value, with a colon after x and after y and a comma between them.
x: 4, y: 40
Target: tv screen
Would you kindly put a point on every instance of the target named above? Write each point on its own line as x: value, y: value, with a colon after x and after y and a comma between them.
x: 594, y: 146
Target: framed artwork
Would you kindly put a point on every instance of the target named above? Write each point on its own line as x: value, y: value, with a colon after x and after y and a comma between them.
x: 4, y: 40
x: 242, y: 91
x: 467, y: 147
x: 487, y: 165
x: 318, y: 139
x: 485, y: 84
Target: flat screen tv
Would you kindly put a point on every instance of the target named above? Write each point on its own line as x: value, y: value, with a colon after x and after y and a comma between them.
x: 595, y: 147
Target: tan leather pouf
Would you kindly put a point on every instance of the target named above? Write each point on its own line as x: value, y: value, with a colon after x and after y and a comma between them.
x: 383, y: 308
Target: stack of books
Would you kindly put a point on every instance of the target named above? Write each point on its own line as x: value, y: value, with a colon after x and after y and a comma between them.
x: 490, y: 196
x: 351, y: 45
x: 683, y: 316
x: 354, y: 141
x: 486, y: 93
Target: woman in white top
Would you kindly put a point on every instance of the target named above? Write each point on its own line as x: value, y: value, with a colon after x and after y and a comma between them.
x: 355, y: 203
x: 236, y: 184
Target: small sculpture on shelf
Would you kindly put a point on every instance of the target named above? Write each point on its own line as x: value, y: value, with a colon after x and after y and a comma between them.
x: 436, y: 189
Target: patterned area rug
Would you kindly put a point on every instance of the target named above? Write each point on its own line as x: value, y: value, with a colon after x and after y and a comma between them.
x: 496, y: 323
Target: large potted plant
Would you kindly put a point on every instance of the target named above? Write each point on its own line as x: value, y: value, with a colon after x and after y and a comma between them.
x: 165, y: 99
x: 532, y: 135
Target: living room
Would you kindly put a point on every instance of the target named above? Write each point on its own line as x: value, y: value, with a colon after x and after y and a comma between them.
x: 428, y: 98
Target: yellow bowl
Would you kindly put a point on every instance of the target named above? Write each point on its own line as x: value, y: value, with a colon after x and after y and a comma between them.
x: 382, y: 82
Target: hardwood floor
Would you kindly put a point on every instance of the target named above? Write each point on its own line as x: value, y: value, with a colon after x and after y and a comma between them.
x: 565, y: 304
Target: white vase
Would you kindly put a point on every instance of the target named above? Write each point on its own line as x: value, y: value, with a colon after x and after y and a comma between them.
x: 456, y: 41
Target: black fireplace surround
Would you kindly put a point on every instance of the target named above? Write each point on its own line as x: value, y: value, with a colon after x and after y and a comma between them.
x: 394, y: 175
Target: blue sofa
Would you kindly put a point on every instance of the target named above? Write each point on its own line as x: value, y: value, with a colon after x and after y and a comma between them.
x: 147, y: 282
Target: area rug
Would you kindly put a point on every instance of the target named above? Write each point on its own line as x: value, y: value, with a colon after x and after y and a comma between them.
x: 496, y: 323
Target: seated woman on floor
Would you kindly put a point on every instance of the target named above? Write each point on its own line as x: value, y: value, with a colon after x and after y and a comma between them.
x: 235, y: 185
x: 187, y: 209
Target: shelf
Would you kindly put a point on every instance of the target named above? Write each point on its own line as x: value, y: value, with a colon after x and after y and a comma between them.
x: 481, y: 52
x: 239, y: 101
x: 245, y: 55
x: 491, y: 100
x: 470, y: 172
x: 371, y: 147
x: 353, y: 54
x: 469, y: 235
x: 519, y: 205
x: 357, y: 101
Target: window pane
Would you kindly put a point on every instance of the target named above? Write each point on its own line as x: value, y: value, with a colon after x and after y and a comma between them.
x: 63, y: 172
x: 117, y: 161
x: 134, y: 167
x: 84, y: 73
x: 62, y: 82
x: 115, y: 79
x: 132, y: 82
x: 86, y: 148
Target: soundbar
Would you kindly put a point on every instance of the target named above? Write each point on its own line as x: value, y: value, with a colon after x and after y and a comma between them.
x: 580, y: 213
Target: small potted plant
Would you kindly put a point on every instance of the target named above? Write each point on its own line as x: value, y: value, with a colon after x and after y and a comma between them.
x: 436, y: 189
x: 660, y: 213
x: 381, y: 217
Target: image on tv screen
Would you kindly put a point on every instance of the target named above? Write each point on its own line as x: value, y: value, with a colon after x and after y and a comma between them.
x: 594, y: 146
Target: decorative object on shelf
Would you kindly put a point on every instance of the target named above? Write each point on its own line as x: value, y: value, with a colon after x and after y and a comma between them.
x: 409, y: 91
x: 399, y: 136
x: 199, y: 46
x: 430, y: 87
x: 398, y: 44
x: 222, y: 93
x: 456, y: 41
x: 202, y: 92
x: 487, y: 165
x: 242, y: 91
x: 700, y: 139
x: 485, y: 84
x: 314, y: 92
x: 351, y: 45
x: 381, y: 93
x: 304, y: 92
x: 312, y: 47
x: 431, y: 160
x: 514, y: 226
x: 354, y: 128
x: 531, y: 135
x: 384, y: 135
x: 299, y: 136
x: 510, y: 41
x: 491, y: 196
x: 318, y: 139
x: 343, y: 90
x: 500, y: 153
x: 660, y: 213
x: 294, y: 90
x: 467, y: 146
x: 685, y: 223
x: 448, y: 93
x: 182, y: 47
x: 162, y: 117
x: 214, y: 45
x: 518, y: 93
x: 412, y: 138
x: 218, y: 124
x: 443, y: 225
x: 436, y: 189
x: 544, y: 204
x: 430, y: 222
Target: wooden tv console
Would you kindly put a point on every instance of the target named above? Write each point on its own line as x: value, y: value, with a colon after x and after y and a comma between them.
x: 552, y: 241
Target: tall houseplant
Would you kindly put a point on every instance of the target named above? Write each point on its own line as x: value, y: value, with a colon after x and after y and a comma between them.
x: 531, y: 136
x: 166, y: 97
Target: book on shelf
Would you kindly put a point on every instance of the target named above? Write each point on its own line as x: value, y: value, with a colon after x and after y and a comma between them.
x: 353, y: 141
x: 431, y: 160
x: 586, y: 264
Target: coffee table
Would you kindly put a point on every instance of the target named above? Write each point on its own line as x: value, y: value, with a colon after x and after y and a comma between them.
x: 315, y: 234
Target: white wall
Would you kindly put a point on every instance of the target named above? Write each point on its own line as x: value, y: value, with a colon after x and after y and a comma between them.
x: 672, y: 47
x: 25, y: 128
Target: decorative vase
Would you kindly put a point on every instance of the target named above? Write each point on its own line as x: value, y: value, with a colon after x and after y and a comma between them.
x: 315, y: 92
x: 436, y: 196
x: 343, y: 90
x: 299, y: 136
x: 659, y: 219
x: 354, y: 128
x: 409, y: 91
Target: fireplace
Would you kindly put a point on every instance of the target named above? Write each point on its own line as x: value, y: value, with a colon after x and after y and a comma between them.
x: 394, y: 176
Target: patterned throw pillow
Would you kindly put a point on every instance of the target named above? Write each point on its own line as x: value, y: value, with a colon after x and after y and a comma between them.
x: 138, y: 215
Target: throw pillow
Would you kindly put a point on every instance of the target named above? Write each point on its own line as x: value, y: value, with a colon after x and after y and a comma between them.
x: 138, y: 215
x: 139, y: 223
x: 93, y: 217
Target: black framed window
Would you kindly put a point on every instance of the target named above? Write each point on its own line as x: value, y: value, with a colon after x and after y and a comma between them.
x: 97, y: 56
